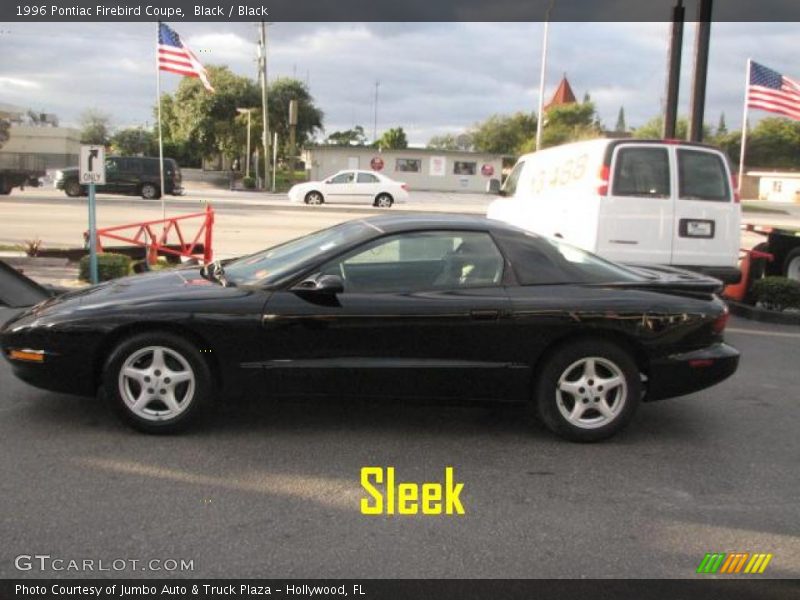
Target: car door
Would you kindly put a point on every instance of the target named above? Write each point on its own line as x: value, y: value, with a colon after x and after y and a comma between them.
x: 340, y: 187
x: 113, y: 176
x: 635, y: 219
x: 421, y: 314
x: 707, y: 219
x: 367, y: 187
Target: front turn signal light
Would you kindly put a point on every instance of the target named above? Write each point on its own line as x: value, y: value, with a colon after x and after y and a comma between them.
x: 27, y: 355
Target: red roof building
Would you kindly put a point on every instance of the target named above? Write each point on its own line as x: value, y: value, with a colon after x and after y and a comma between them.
x: 563, y: 95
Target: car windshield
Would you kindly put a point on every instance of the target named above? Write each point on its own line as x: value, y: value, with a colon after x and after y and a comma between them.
x: 273, y: 264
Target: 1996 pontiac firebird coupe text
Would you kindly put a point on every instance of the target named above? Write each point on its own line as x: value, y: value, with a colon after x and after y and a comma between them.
x: 473, y: 308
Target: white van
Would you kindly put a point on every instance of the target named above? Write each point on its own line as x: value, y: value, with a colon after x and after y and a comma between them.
x: 631, y: 201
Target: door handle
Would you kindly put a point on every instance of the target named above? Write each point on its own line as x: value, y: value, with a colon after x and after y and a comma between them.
x: 485, y: 315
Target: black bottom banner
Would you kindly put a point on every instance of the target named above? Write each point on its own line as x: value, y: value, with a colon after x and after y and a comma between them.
x: 395, y: 589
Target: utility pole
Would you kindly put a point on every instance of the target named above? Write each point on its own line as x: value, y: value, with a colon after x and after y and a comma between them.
x: 701, y: 47
x: 673, y: 71
x: 242, y: 111
x: 262, y: 72
x: 375, y: 123
x: 540, y: 111
x: 293, y: 117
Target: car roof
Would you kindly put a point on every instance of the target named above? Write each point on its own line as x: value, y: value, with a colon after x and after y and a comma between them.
x: 410, y: 221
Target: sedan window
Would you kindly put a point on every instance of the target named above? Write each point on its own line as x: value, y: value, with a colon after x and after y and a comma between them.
x: 431, y: 260
x: 367, y: 178
x: 343, y: 178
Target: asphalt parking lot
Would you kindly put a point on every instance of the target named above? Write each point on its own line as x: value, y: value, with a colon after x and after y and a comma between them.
x: 273, y: 489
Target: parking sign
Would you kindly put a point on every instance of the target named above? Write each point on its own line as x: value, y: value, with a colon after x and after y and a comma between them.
x: 93, y: 165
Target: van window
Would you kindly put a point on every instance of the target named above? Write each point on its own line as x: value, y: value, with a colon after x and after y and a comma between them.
x: 701, y: 176
x: 642, y: 172
x: 510, y: 186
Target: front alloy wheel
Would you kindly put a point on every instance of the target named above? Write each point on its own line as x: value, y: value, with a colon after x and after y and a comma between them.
x: 314, y: 198
x: 157, y: 382
x: 588, y: 390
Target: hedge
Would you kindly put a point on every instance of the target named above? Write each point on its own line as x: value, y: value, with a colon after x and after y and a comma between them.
x: 777, y: 293
x: 109, y: 266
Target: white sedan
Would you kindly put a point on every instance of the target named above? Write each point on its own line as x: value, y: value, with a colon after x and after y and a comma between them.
x: 351, y: 186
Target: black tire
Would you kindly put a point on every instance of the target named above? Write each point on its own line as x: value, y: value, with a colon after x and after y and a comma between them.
x: 73, y: 189
x: 314, y: 198
x: 5, y: 187
x: 383, y: 201
x: 150, y: 191
x: 791, y: 268
x: 563, y: 363
x: 201, y: 389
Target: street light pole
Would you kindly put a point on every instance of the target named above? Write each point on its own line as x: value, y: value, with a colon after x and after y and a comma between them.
x: 375, y: 123
x: 540, y: 110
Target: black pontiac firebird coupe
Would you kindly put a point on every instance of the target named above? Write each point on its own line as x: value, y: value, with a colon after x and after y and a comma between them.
x: 394, y: 306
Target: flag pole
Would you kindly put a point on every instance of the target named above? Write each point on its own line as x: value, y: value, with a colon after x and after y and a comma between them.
x: 744, y: 127
x: 160, y: 138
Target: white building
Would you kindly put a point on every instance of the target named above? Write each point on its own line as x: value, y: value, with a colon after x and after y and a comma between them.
x: 420, y: 168
x: 778, y: 186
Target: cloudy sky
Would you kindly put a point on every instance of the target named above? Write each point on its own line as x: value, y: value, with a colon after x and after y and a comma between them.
x: 434, y: 77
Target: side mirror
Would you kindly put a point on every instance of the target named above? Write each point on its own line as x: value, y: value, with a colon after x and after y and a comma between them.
x: 493, y: 187
x: 326, y: 284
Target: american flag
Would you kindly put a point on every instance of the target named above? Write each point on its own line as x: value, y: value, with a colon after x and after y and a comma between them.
x: 773, y: 92
x: 176, y: 57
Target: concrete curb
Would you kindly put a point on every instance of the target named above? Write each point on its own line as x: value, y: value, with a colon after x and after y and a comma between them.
x: 760, y: 314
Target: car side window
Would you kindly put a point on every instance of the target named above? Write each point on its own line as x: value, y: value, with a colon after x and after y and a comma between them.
x: 112, y: 165
x: 367, y: 178
x: 702, y: 176
x: 510, y: 186
x: 642, y: 172
x: 343, y: 178
x: 420, y: 261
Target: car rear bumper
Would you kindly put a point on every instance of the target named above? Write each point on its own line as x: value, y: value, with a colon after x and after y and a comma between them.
x: 681, y: 374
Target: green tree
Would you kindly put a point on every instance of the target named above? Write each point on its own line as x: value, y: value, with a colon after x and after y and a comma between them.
x: 449, y: 141
x: 722, y: 128
x: 393, y: 139
x: 95, y: 127
x: 200, y: 124
x: 134, y: 141
x: 654, y: 129
x: 349, y: 137
x: 569, y: 123
x: 309, y: 117
x: 504, y: 134
x: 621, y: 126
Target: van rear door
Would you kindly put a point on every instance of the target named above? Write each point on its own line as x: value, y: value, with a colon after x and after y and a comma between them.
x: 707, y: 216
x: 635, y: 222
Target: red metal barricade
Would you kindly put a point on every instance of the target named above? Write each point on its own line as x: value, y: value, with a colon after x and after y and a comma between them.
x: 154, y: 235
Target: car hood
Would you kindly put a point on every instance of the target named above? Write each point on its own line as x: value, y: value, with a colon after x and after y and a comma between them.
x: 172, y: 286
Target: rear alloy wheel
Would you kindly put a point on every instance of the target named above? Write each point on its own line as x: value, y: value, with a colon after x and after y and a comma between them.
x: 157, y: 382
x: 314, y: 198
x: 384, y: 201
x: 73, y: 189
x: 588, y: 391
x: 791, y: 266
x: 150, y: 191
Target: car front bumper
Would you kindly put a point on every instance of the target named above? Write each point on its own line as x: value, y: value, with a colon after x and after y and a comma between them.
x: 681, y: 374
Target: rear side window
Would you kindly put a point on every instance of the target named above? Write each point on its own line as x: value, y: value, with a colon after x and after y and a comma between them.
x: 702, y: 176
x: 642, y: 172
x: 544, y: 261
x: 367, y: 178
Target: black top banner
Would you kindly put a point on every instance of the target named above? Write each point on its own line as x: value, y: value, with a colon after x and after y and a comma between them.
x: 391, y: 10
